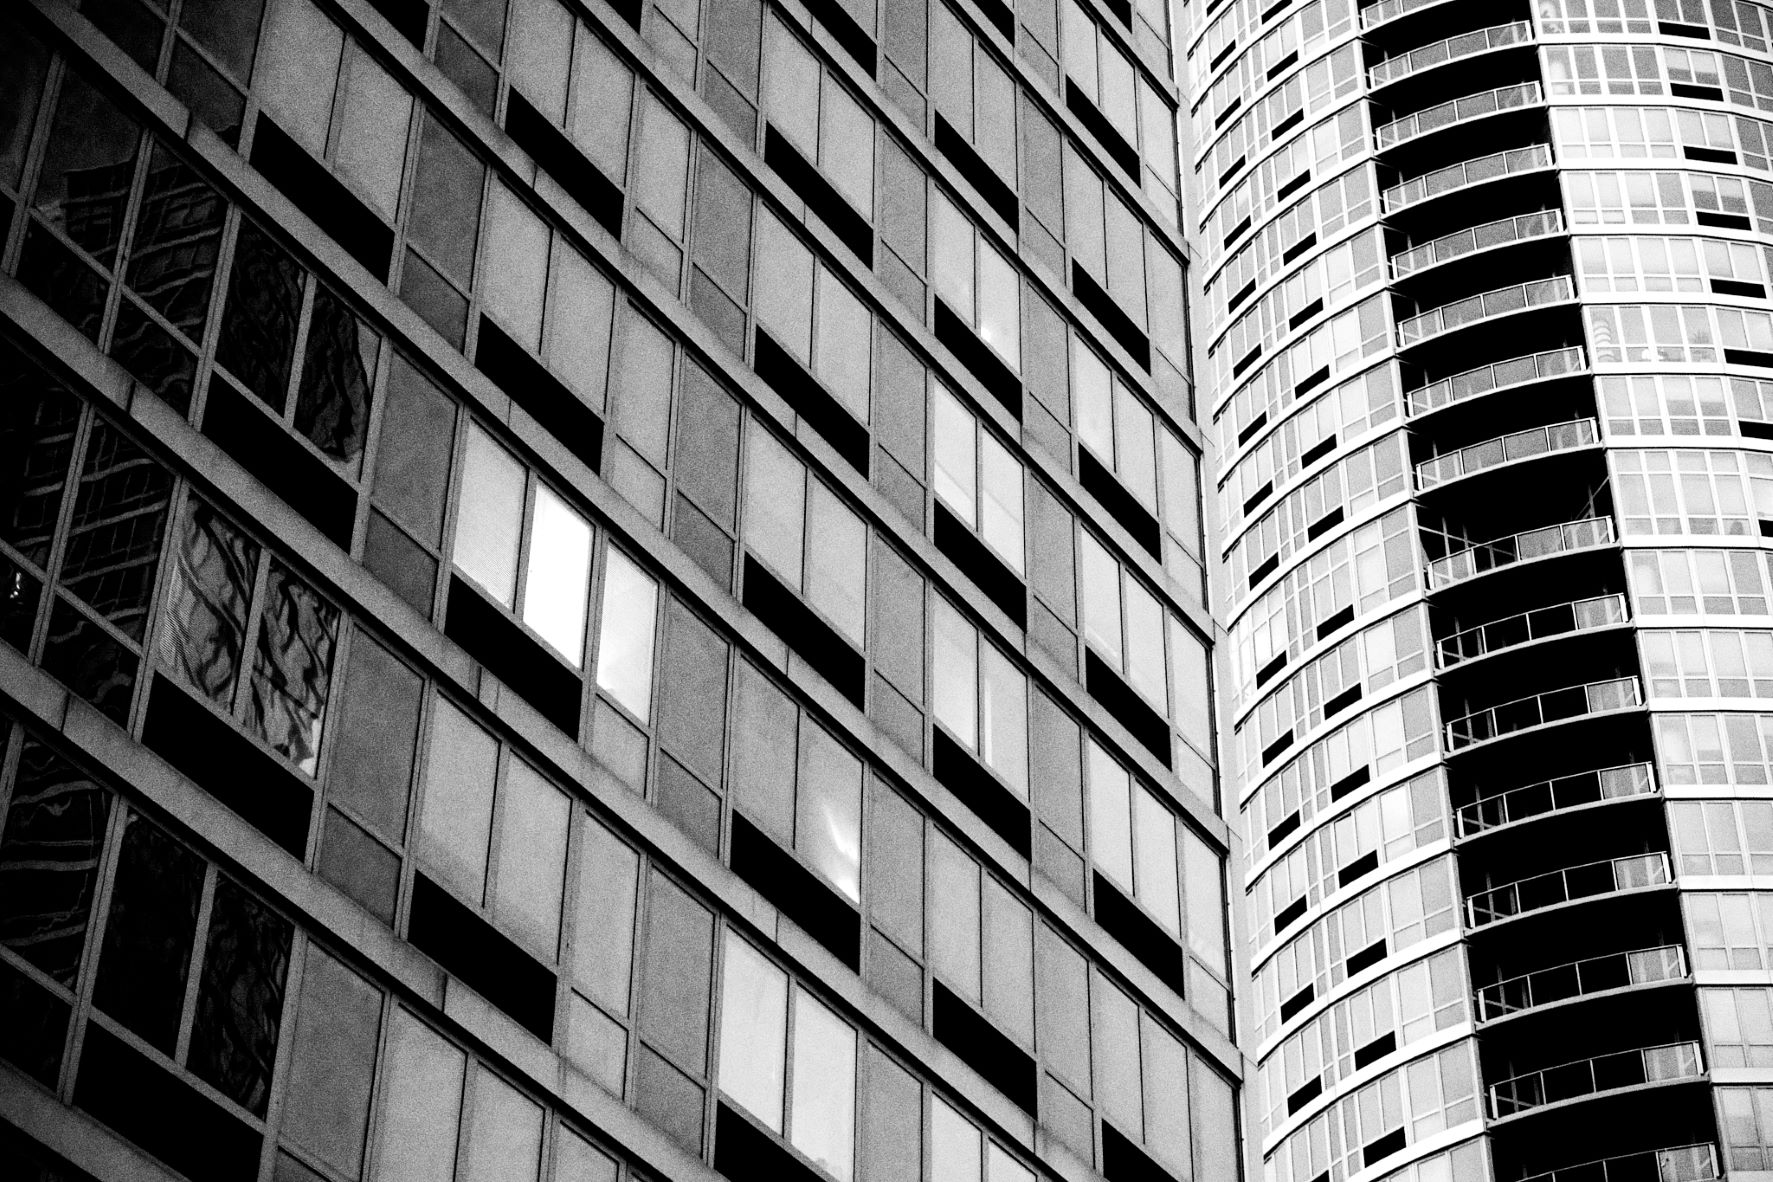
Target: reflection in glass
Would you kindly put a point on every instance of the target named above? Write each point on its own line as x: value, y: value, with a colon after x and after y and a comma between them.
x: 178, y: 236
x: 558, y: 578
x: 292, y: 671
x: 489, y: 520
x: 113, y: 546
x: 37, y: 425
x: 240, y: 1000
x: 625, y: 639
x: 88, y: 167
x: 338, y: 371
x: 828, y: 822
x: 259, y: 326
x: 49, y: 861
x: 149, y: 933
x: 203, y: 619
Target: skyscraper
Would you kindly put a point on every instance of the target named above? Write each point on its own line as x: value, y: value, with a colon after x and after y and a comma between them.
x: 1485, y: 350
x: 605, y: 590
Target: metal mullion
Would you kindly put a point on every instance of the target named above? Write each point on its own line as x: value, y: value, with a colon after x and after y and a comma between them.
x: 366, y: 460
x: 298, y: 351
x: 520, y: 590
x: 115, y: 823
x: 279, y: 1093
x: 335, y: 702
x: 64, y: 517
x: 495, y: 821
x: 226, y: 250
x: 132, y: 212
x: 194, y: 970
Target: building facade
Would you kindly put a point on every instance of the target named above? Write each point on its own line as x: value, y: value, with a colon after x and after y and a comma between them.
x: 605, y: 590
x: 1484, y: 323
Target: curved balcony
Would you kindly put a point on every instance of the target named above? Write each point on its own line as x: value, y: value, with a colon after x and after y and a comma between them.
x: 1499, y: 375
x: 1451, y: 114
x: 1378, y: 14
x: 1583, y: 534
x: 1590, y: 1077
x: 1566, y: 886
x: 1452, y: 49
x: 1595, y: 974
x: 1554, y: 796
x: 1503, y: 232
x: 1558, y: 705
x: 1683, y: 1163
x: 1506, y: 449
x: 1486, y: 306
x: 1560, y: 619
x: 1477, y: 171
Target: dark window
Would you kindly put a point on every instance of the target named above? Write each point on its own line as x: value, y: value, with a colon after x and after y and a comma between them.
x: 259, y: 326
x: 240, y: 1000
x: 149, y: 933
x: 204, y: 615
x: 49, y: 858
x: 293, y: 668
x: 88, y: 169
x: 332, y: 1064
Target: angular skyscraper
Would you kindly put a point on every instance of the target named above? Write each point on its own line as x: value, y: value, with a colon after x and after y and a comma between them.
x: 602, y: 591
x: 1487, y: 354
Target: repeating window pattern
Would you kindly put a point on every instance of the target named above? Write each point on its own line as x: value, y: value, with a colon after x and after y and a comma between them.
x: 1363, y: 750
x: 1382, y: 923
x: 1698, y: 582
x: 1324, y: 353
x: 1745, y: 1121
x: 1386, y: 1018
x: 1708, y: 493
x: 1301, y: 97
x: 1329, y: 281
x: 1643, y: 198
x: 1722, y: 837
x: 1294, y: 38
x: 981, y: 697
x: 1318, y: 216
x: 1645, y: 263
x: 1420, y: 1099
x: 1681, y: 404
x: 1708, y: 663
x: 1729, y: 930
x: 1345, y: 849
x: 1319, y: 151
x: 1715, y: 748
x: 1738, y: 1027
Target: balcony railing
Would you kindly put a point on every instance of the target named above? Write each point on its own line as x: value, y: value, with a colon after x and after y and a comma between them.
x: 1558, y: 619
x: 1527, y: 226
x: 1685, y: 1163
x: 1453, y: 48
x: 1582, y: 534
x: 1586, y: 1077
x: 1485, y: 306
x: 1571, y: 701
x: 1460, y: 110
x: 1596, y: 974
x: 1551, y: 796
x: 1505, y: 449
x: 1563, y: 886
x: 1466, y: 174
x: 1377, y: 14
x: 1500, y: 375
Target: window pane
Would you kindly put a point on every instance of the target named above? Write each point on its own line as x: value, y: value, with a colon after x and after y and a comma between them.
x: 753, y: 1032
x: 1095, y: 402
x: 784, y: 301
x: 413, y: 459
x: 372, y: 139
x: 642, y: 386
x: 956, y: 673
x: 892, y: 1123
x: 455, y: 819
x: 240, y: 1000
x: 895, y: 866
x: 692, y: 692
x: 603, y: 94
x: 1192, y: 703
x: 1101, y: 600
x: 576, y: 1160
x: 150, y: 933
x: 846, y: 147
x: 1145, y: 643
x: 559, y: 575
x: 828, y: 822
x: 1001, y: 1167
x: 951, y: 255
x: 954, y: 917
x: 1004, y: 730
x: 445, y: 217
x: 505, y: 1133
x: 292, y: 669
x: 1136, y: 462
x: 1000, y: 305
x: 1116, y: 1029
x: 532, y: 857
x: 625, y: 638
x: 1001, y: 507
x: 517, y: 266
x: 203, y: 621
x: 842, y: 353
x: 541, y: 39
x: 580, y: 309
x: 674, y: 981
x: 837, y: 562
x: 489, y: 520
x: 1007, y: 928
x: 763, y: 759
x: 775, y: 498
x: 421, y: 1104
x: 1154, y: 851
x: 1206, y: 909
x: 296, y: 70
x: 603, y: 948
x: 954, y: 1145
x: 952, y: 433
x: 663, y: 162
x: 824, y: 1111
x: 1111, y: 839
x: 332, y: 1064
x: 791, y: 88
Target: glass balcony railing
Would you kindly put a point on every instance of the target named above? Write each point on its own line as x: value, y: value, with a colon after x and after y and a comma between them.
x: 1460, y: 565
x: 1596, y: 974
x: 1571, y: 701
x: 1460, y: 110
x: 1551, y: 796
x: 1486, y: 306
x: 1453, y: 48
x: 1378, y: 14
x: 1685, y: 1163
x: 1527, y: 226
x: 1564, y: 886
x: 1558, y: 619
x: 1505, y: 449
x: 1500, y: 375
x: 1466, y: 174
x: 1587, y: 1077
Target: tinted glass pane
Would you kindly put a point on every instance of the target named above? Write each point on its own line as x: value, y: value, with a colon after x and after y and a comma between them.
x: 602, y: 98
x: 204, y: 615
x: 1116, y: 1028
x: 178, y: 236
x: 113, y: 547
x: 83, y: 186
x: 674, y: 975
x: 23, y: 63
x: 332, y: 402
x: 531, y: 857
x: 332, y: 1064
x: 240, y: 1000
x: 722, y: 223
x: 708, y: 444
x: 445, y: 218
x: 421, y: 1104
x: 258, y: 328
x: 412, y: 461
x: 293, y: 669
x: 954, y: 916
x: 149, y: 934
x: 456, y: 815
x: 372, y: 134
x: 895, y: 867
x: 763, y: 756
x: 580, y: 307
x: 38, y: 417
x: 373, y: 741
x: 692, y: 697
x: 296, y: 74
x: 49, y: 859
x: 669, y: 1099
x: 1006, y: 927
x: 1063, y: 1011
x: 603, y: 950
x: 504, y: 1133
x: 892, y: 1123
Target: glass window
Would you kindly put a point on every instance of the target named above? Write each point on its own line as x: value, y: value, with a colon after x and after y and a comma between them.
x: 421, y: 1104
x: 775, y: 496
x: 373, y: 128
x: 828, y: 823
x: 954, y: 1145
x: 602, y: 97
x: 558, y: 577
x: 1003, y: 708
x: 603, y: 949
x: 531, y: 857
x: 674, y: 977
x: 753, y: 1032
x: 842, y: 352
x: 332, y: 1063
x: 297, y: 69
x: 954, y: 917
x: 956, y: 672
x: 836, y: 560
x: 455, y: 819
x: 490, y: 516
x: 625, y: 637
x: 517, y: 274
x: 784, y: 300
x: 504, y: 1133
x: 824, y: 1110
x: 1111, y: 838
x: 763, y: 759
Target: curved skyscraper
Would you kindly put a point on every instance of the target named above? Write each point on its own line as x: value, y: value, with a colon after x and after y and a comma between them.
x: 1486, y: 346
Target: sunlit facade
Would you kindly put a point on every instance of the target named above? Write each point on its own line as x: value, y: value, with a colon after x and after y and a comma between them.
x: 1486, y: 352
x: 603, y: 591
